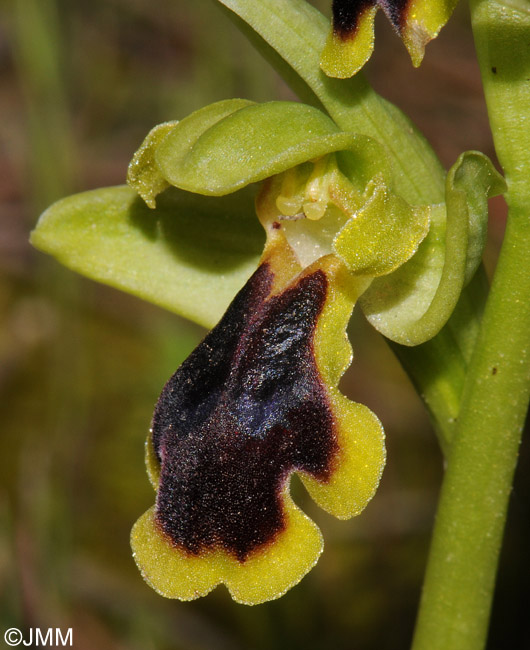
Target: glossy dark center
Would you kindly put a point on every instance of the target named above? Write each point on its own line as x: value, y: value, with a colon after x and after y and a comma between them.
x: 246, y: 409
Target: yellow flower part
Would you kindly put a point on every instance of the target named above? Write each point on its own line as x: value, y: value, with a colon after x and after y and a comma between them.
x: 256, y: 401
x: 351, y: 41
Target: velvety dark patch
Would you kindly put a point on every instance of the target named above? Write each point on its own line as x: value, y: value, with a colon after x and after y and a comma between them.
x: 346, y: 14
x: 242, y: 412
x: 396, y: 11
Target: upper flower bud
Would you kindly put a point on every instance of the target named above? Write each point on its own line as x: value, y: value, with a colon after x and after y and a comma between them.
x: 351, y: 40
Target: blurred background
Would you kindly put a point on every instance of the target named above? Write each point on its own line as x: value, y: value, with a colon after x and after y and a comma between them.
x: 81, y: 365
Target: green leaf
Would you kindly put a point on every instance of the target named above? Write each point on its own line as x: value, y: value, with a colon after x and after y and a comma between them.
x: 249, y: 145
x: 190, y: 255
x: 413, y: 303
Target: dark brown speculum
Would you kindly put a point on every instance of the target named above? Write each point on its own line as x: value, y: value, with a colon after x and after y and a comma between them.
x: 244, y: 411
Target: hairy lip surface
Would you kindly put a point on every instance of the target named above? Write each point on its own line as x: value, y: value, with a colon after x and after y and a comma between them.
x: 246, y: 409
x: 346, y: 14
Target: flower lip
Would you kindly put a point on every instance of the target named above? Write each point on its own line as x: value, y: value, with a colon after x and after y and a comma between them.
x: 254, y: 403
x: 245, y: 410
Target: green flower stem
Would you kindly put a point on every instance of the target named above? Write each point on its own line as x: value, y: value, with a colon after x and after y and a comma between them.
x: 440, y: 391
x: 460, y: 576
x: 467, y: 537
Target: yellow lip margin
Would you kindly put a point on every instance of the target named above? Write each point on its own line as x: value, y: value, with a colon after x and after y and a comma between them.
x: 342, y: 57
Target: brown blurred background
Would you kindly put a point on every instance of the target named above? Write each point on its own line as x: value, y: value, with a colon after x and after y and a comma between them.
x: 81, y: 365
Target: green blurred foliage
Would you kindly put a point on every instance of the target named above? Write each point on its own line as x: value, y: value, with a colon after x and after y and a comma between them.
x: 81, y: 365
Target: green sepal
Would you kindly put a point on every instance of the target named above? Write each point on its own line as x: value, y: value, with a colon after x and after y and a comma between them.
x: 413, y: 303
x: 213, y: 155
x: 290, y: 34
x: 144, y: 174
x: 190, y: 255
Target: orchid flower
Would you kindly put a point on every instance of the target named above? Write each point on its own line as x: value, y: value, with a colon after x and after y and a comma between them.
x: 258, y: 399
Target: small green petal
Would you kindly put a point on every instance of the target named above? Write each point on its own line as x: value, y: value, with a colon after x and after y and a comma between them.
x: 413, y: 303
x: 383, y: 234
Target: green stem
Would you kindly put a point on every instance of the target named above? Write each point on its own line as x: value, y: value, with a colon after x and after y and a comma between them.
x: 460, y: 578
